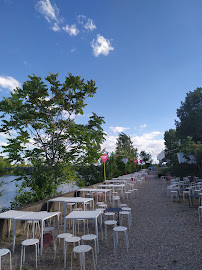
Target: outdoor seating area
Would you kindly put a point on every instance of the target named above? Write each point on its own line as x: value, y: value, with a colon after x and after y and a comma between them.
x: 190, y: 188
x: 80, y: 227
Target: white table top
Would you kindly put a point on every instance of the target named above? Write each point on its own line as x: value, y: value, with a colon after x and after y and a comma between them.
x: 11, y: 214
x: 84, y: 214
x: 94, y: 190
x: 112, y: 185
x: 71, y: 199
x: 43, y: 215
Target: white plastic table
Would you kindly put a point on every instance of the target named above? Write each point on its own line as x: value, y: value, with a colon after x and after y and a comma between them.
x: 36, y: 216
x: 97, y: 190
x: 11, y: 214
x: 113, y: 186
x: 84, y: 215
x: 66, y: 200
x: 120, y: 181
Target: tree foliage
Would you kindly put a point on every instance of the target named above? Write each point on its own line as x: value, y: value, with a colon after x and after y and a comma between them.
x: 190, y: 116
x: 42, y: 115
x: 172, y: 146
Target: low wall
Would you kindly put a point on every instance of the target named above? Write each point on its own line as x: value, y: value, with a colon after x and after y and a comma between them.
x: 34, y: 207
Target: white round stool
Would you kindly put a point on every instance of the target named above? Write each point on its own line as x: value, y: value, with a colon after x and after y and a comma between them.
x: 184, y: 193
x: 29, y: 242
x: 127, y: 193
x: 115, y: 199
x: 174, y: 193
x: 120, y: 229
x: 122, y: 214
x: 61, y: 236
x: 102, y: 206
x: 108, y: 214
x: 122, y: 205
x: 73, y: 239
x: 90, y: 237
x: 108, y: 223
x: 4, y: 251
x: 81, y: 250
x: 32, y: 225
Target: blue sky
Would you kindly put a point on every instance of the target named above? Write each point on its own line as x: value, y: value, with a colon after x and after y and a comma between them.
x: 144, y: 55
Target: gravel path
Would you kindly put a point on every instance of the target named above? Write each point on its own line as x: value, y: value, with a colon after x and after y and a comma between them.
x: 163, y: 235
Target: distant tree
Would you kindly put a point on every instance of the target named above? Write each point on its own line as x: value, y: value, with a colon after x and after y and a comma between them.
x: 42, y: 115
x: 190, y: 116
x: 146, y: 157
x: 189, y: 147
x: 172, y: 146
x: 125, y: 149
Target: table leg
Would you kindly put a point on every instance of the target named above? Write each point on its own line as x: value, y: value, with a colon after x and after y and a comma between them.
x: 14, y: 232
x: 41, y: 248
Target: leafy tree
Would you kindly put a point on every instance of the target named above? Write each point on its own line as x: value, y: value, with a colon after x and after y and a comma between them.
x: 190, y: 116
x: 43, y: 117
x: 172, y: 146
x: 125, y: 149
x: 146, y: 157
x: 189, y: 147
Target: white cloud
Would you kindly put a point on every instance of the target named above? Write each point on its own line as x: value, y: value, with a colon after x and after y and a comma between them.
x: 9, y: 82
x: 81, y: 19
x: 50, y: 13
x: 118, y: 129
x: 90, y: 25
x: 143, y: 126
x: 55, y: 27
x: 73, y: 50
x: 152, y: 143
x: 71, y: 30
x: 101, y: 46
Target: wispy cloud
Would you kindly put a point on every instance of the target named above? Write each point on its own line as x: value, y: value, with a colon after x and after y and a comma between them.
x: 71, y: 29
x: 50, y: 12
x: 143, y: 126
x: 90, y: 25
x: 87, y: 23
x: 118, y: 129
x: 9, y: 83
x: 56, y: 27
x: 101, y: 46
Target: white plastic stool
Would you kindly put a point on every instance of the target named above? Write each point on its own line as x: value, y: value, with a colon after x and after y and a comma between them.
x: 127, y: 193
x: 81, y: 250
x: 32, y: 225
x: 108, y: 214
x: 29, y: 242
x: 120, y: 229
x: 108, y: 223
x: 122, y: 205
x: 90, y: 237
x: 61, y: 236
x: 184, y: 193
x: 102, y: 206
x: 174, y: 193
x: 4, y: 251
x: 114, y: 199
x: 125, y: 213
x: 73, y: 239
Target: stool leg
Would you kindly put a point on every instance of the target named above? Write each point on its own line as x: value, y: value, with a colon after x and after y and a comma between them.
x: 65, y: 253
x: 95, y: 251
x: 36, y: 254
x: 10, y: 262
x: 71, y: 258
x: 0, y: 262
x: 21, y: 258
x: 114, y: 241
x: 93, y: 259
x: 105, y: 233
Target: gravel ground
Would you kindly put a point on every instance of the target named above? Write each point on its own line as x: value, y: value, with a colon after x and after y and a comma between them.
x: 163, y: 235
